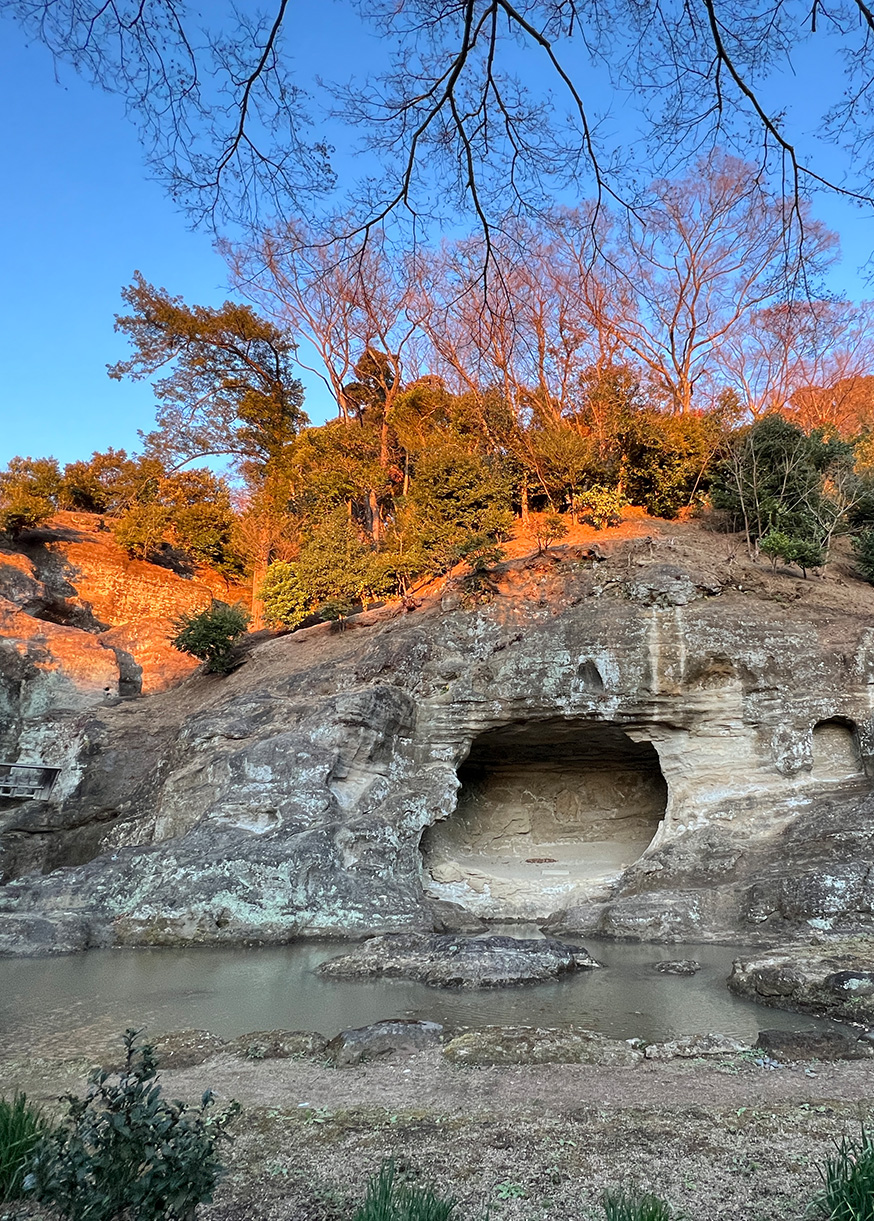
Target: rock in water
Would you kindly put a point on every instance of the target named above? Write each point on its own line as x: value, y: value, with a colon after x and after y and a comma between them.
x: 446, y: 961
x: 678, y: 966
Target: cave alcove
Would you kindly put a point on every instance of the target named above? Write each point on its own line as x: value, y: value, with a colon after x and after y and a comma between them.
x: 547, y: 812
x: 835, y: 748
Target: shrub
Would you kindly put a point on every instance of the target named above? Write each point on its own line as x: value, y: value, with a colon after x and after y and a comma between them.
x: 551, y: 528
x: 124, y: 1150
x: 601, y: 507
x: 141, y: 530
x: 622, y: 1205
x: 24, y: 511
x: 22, y: 1127
x: 210, y: 635
x: 863, y: 549
x: 848, y: 1181
x: 389, y: 1198
x: 285, y: 600
x: 806, y: 553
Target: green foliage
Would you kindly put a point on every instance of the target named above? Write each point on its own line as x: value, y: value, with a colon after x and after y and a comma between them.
x: 22, y: 1127
x: 29, y: 490
x: 210, y: 635
x: 549, y: 529
x: 390, y: 1198
x: 125, y: 1151
x: 141, y: 530
x: 863, y: 549
x: 630, y: 1205
x: 455, y: 497
x: 665, y: 458
x: 285, y: 600
x: 848, y: 1181
x: 230, y: 389
x: 775, y: 477
x: 806, y: 553
x: 601, y: 507
x: 105, y: 483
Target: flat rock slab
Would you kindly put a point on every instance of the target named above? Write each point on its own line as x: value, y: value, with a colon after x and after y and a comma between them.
x: 448, y: 961
x: 695, y: 1046
x: 277, y: 1045
x: 814, y: 1045
x: 540, y: 1045
x: 350, y: 1047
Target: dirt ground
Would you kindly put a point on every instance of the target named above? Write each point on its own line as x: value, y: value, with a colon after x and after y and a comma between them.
x: 724, y: 1140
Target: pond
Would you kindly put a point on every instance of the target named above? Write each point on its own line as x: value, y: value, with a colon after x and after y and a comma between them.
x: 234, y: 991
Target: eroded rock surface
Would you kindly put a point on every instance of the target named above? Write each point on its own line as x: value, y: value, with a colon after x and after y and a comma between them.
x: 539, y: 1045
x: 380, y: 1039
x: 834, y: 981
x: 655, y: 746
x: 452, y: 961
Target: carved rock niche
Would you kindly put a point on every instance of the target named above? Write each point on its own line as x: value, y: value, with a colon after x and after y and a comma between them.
x: 548, y: 813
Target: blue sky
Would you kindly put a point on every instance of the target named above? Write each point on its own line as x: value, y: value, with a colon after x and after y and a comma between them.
x: 79, y: 216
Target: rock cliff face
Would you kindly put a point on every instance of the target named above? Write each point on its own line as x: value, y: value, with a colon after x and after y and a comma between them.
x: 668, y: 744
x: 81, y: 627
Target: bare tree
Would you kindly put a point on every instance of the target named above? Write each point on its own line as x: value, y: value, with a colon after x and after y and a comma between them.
x: 488, y: 105
x: 711, y: 250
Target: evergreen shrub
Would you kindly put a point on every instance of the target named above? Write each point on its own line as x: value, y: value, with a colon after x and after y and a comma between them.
x: 210, y: 635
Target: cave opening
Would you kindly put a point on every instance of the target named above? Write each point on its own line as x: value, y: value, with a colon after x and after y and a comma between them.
x: 548, y: 813
x: 835, y: 748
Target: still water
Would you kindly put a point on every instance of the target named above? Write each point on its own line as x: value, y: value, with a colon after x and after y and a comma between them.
x: 234, y: 991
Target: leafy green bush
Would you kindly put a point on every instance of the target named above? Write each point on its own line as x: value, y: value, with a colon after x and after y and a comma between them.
x: 863, y: 549
x: 601, y: 506
x: 142, y: 529
x: 848, y: 1181
x: 125, y: 1151
x: 22, y: 1128
x: 285, y: 600
x: 24, y: 511
x: 389, y: 1198
x: 806, y: 553
x: 210, y: 635
x: 551, y: 528
x: 622, y: 1205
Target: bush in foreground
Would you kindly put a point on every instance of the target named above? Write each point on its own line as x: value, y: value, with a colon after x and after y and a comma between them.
x: 125, y: 1151
x: 210, y: 635
x: 22, y: 1128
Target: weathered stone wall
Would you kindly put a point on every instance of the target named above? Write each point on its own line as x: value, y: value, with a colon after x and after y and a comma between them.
x: 291, y: 798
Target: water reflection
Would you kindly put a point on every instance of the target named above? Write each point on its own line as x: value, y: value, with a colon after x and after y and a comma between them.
x: 232, y: 991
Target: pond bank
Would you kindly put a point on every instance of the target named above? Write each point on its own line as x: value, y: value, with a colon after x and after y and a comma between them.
x: 724, y: 1140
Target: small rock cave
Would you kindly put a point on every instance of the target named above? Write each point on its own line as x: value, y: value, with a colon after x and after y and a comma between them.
x: 548, y: 813
x: 835, y: 748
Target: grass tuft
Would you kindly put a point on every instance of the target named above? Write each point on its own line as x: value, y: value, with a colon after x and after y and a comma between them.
x: 22, y: 1127
x: 622, y: 1205
x: 848, y: 1180
x: 389, y: 1198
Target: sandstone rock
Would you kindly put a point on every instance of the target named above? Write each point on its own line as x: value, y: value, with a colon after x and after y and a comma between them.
x: 277, y: 1045
x: 668, y: 770
x: 678, y: 966
x: 693, y: 1046
x: 350, y: 1047
x: 536, y: 1045
x: 814, y: 1045
x: 833, y: 980
x: 454, y: 961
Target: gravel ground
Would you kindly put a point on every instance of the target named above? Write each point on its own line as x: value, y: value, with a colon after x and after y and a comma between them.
x: 720, y: 1141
